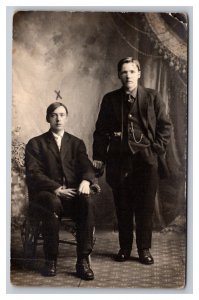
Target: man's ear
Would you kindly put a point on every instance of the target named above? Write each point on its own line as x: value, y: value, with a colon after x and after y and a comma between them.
x: 139, y: 74
x: 47, y: 119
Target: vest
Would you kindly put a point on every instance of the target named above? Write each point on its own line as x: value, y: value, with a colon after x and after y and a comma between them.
x: 134, y: 139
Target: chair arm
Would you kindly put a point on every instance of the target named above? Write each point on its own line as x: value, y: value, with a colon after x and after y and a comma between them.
x: 95, y: 189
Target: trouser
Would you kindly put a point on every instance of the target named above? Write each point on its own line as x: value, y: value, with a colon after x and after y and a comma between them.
x: 135, y: 197
x: 50, y: 210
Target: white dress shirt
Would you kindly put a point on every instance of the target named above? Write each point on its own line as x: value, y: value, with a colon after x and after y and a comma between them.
x: 58, y: 138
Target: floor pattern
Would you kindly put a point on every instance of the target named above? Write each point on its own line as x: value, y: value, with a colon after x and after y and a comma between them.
x: 168, y: 271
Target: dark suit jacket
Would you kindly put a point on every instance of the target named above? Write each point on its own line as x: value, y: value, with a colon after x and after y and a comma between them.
x: 155, y: 123
x: 46, y: 165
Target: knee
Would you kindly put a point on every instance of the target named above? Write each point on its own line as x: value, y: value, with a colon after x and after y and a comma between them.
x: 86, y: 200
x: 49, y: 201
x: 46, y: 197
x: 43, y: 195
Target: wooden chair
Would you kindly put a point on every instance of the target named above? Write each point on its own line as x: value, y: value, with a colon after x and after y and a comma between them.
x: 31, y: 233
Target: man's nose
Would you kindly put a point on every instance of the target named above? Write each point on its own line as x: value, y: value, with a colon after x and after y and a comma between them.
x: 128, y: 75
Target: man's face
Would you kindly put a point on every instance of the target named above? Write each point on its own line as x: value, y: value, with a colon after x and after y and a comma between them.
x: 58, y: 119
x: 129, y: 76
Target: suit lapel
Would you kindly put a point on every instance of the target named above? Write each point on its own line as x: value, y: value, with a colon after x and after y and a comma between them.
x: 64, y: 145
x: 52, y: 144
x: 117, y: 103
x: 143, y: 106
x: 54, y: 148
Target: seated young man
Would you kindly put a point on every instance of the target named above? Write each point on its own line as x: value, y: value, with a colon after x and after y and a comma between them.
x: 59, y: 174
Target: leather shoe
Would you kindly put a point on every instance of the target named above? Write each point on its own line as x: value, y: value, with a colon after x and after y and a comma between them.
x: 145, y: 257
x: 49, y: 268
x: 84, y: 270
x: 123, y: 255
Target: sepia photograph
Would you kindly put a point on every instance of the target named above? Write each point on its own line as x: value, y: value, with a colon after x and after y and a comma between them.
x: 99, y: 149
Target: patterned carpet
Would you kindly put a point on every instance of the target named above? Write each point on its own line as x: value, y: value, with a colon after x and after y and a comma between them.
x: 168, y: 271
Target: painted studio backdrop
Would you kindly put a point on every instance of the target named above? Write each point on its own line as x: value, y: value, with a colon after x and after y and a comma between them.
x: 72, y: 57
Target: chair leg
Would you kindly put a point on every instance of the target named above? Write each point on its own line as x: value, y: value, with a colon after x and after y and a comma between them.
x: 29, y: 236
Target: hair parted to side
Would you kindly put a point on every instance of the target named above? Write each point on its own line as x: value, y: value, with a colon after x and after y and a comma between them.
x: 52, y: 107
x: 127, y: 60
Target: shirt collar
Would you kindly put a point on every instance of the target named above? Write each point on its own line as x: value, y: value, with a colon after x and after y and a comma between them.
x: 133, y: 93
x: 58, y: 135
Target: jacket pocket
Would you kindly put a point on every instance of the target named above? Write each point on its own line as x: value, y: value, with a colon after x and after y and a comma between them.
x: 149, y: 156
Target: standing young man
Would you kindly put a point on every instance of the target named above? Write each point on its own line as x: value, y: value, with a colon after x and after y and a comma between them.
x: 132, y: 132
x: 59, y: 175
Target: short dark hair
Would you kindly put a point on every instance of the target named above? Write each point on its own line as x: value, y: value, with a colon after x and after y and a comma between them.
x: 127, y: 60
x: 52, y: 107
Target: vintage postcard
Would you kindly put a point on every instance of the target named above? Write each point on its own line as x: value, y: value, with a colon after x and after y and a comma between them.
x: 114, y: 86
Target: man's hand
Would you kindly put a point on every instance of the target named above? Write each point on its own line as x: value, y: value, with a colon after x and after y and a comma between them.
x: 66, y: 193
x: 84, y: 187
x: 98, y: 164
